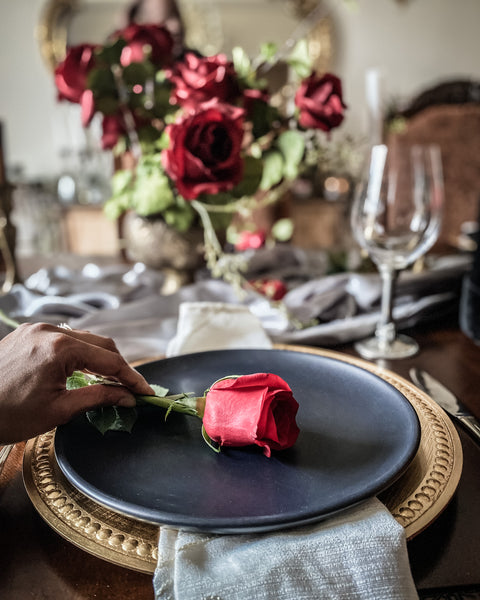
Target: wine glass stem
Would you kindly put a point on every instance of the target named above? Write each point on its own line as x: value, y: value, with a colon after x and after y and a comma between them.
x: 385, y: 330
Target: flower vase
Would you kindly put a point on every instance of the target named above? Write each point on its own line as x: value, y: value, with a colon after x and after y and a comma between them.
x: 151, y: 241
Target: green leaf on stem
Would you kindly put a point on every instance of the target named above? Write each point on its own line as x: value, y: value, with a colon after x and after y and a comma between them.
x: 292, y: 146
x: 272, y: 169
x: 112, y: 418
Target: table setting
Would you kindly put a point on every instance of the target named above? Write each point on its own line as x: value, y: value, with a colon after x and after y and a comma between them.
x: 372, y: 492
x: 370, y: 514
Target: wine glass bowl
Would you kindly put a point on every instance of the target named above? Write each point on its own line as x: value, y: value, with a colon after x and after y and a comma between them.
x: 396, y: 218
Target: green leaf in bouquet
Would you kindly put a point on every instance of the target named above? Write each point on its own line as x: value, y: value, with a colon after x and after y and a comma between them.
x: 137, y: 73
x: 162, y: 142
x: 268, y: 51
x: 108, y: 105
x: 115, y: 206
x: 148, y: 137
x: 112, y: 418
x: 282, y: 230
x: 262, y: 115
x: 252, y: 175
x: 241, y: 62
x: 102, y: 83
x: 121, y: 181
x: 180, y: 218
x: 300, y: 60
x: 152, y: 194
x: 273, y: 165
x: 292, y: 146
x: 161, y: 96
x: 110, y: 53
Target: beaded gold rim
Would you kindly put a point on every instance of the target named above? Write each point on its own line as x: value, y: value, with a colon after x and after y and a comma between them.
x: 415, y: 500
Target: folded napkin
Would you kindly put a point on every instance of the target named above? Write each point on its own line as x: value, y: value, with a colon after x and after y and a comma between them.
x: 216, y: 325
x: 358, y: 554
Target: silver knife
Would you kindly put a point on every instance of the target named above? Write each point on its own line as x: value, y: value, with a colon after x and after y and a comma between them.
x: 448, y: 401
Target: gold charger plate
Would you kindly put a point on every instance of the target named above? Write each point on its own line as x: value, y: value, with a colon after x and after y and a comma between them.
x: 415, y: 500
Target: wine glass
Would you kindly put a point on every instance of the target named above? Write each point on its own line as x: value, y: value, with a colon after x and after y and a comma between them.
x: 396, y: 217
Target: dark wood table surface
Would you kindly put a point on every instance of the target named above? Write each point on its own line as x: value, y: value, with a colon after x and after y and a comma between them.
x: 36, y: 563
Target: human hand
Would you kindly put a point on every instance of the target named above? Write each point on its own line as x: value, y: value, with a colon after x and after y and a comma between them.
x: 35, y: 361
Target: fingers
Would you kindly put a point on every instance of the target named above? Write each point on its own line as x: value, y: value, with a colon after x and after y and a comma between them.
x: 75, y: 402
x: 104, y: 361
x: 83, y: 336
x: 80, y: 350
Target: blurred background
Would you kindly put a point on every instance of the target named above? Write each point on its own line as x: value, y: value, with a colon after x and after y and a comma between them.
x: 385, y: 51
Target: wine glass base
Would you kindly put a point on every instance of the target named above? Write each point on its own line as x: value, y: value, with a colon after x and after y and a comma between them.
x: 401, y: 347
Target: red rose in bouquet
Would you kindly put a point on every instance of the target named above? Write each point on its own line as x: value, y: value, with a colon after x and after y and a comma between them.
x: 203, y: 156
x: 251, y: 409
x: 71, y: 75
x: 146, y: 41
x: 199, y: 79
x: 274, y: 289
x: 251, y: 240
x: 319, y: 100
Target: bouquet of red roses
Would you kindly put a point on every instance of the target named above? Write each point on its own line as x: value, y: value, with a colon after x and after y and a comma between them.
x: 207, y: 138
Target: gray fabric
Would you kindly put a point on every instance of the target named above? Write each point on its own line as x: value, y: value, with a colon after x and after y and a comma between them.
x: 126, y: 303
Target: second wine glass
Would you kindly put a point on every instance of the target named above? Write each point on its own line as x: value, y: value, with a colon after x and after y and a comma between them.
x: 396, y: 218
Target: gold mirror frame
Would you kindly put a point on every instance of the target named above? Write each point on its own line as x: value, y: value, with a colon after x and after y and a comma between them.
x: 52, y: 30
x: 56, y: 16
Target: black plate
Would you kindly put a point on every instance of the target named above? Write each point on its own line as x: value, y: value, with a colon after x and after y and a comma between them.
x: 357, y: 435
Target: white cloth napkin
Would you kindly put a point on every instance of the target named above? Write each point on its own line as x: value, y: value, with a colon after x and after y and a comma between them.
x: 359, y: 554
x: 216, y: 325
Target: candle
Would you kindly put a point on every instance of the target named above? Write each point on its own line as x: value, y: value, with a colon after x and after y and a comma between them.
x: 374, y: 99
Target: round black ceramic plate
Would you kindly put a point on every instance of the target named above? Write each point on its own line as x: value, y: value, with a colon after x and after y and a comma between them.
x: 357, y: 435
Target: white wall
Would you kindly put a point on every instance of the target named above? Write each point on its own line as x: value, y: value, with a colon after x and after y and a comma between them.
x: 414, y: 44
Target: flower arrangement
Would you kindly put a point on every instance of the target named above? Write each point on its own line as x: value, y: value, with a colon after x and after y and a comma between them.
x: 206, y: 139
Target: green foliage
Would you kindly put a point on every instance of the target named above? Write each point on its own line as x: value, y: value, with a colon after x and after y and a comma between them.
x: 112, y: 418
x: 252, y: 175
x: 282, y: 230
x: 292, y: 146
x: 272, y: 169
x: 300, y: 59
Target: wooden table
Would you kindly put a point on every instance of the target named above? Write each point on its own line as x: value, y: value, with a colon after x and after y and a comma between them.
x: 36, y: 563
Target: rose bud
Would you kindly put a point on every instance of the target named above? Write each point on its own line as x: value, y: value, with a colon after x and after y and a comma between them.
x: 319, y: 100
x: 251, y: 409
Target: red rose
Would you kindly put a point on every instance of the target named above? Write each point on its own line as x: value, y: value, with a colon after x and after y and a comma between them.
x: 199, y: 79
x: 320, y: 102
x: 274, y: 289
x: 154, y: 42
x: 250, y: 240
x: 71, y: 74
x: 252, y: 409
x: 112, y: 129
x: 204, y: 154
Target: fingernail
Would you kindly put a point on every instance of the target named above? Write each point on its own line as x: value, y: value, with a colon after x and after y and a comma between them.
x: 127, y: 401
